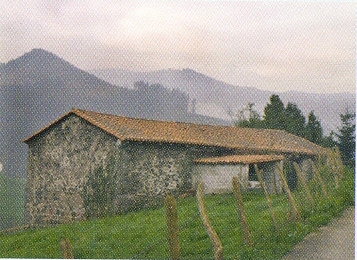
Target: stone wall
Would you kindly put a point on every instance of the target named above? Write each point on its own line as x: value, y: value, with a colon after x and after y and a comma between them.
x: 271, y: 176
x: 306, y: 167
x: 218, y: 178
x: 76, y: 170
x: 304, y: 162
x: 153, y: 170
x: 59, y: 162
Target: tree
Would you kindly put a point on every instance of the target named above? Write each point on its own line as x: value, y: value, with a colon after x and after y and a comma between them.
x: 329, y: 141
x: 313, y: 129
x: 295, y: 120
x: 289, y: 118
x: 346, y: 137
x: 274, y: 114
x: 248, y: 117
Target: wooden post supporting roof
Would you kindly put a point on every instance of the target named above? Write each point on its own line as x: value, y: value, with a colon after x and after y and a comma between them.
x: 294, y: 210
x: 262, y: 183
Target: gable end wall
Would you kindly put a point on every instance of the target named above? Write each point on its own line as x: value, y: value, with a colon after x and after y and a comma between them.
x: 63, y: 162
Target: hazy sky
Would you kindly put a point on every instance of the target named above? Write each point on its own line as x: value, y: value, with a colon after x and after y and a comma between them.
x: 276, y: 46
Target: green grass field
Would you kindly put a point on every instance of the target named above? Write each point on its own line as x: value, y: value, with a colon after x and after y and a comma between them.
x: 143, y: 234
x: 12, y: 193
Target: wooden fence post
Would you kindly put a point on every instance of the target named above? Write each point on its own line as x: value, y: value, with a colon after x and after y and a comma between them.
x: 217, y: 244
x: 317, y: 173
x: 241, y: 212
x: 304, y: 184
x: 262, y: 184
x: 294, y: 210
x: 172, y: 227
x: 66, y: 249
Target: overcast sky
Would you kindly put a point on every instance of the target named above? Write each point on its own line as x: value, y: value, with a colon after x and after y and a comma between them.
x: 277, y: 46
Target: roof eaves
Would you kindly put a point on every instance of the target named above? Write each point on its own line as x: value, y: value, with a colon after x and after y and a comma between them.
x: 80, y: 114
x: 27, y: 139
x: 253, y: 149
x: 239, y: 159
x: 94, y: 119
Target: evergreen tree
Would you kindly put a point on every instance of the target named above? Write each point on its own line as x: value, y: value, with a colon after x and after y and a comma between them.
x: 274, y: 114
x: 295, y: 120
x: 346, y: 137
x: 289, y: 118
x: 329, y: 141
x: 313, y: 129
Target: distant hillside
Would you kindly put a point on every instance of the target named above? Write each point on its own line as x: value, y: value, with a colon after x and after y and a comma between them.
x: 12, y: 194
x: 39, y: 86
x: 36, y: 88
x: 215, y: 97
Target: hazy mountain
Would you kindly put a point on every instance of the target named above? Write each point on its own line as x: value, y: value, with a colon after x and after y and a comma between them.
x: 39, y: 86
x: 35, y: 89
x: 216, y: 98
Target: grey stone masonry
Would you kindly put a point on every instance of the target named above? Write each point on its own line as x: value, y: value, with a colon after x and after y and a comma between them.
x: 64, y: 182
x: 78, y: 169
x: 271, y: 177
x: 305, y: 165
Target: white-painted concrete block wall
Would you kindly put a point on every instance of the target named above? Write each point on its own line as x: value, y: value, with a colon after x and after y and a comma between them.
x: 218, y: 178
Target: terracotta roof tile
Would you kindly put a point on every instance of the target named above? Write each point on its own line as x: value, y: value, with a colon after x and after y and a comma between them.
x: 240, y: 159
x: 230, y: 137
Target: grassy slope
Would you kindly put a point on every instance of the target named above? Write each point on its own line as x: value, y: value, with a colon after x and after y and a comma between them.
x: 11, y: 201
x: 143, y: 234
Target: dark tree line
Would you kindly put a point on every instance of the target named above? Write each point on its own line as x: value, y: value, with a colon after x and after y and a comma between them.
x: 278, y: 116
x: 346, y: 139
x: 156, y: 101
x: 291, y: 119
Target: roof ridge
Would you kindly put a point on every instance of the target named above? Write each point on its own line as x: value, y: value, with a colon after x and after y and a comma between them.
x: 230, y: 137
x: 145, y: 119
x: 179, y: 122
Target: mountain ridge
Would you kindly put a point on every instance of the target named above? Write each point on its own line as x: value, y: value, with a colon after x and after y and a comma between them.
x: 38, y: 65
x: 39, y: 86
x: 111, y: 73
x: 216, y: 97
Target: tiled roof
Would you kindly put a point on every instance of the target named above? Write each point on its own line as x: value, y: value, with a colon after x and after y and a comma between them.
x: 230, y: 137
x: 240, y: 159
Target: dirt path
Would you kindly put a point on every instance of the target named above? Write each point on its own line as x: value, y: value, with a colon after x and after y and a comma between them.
x: 334, y: 241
